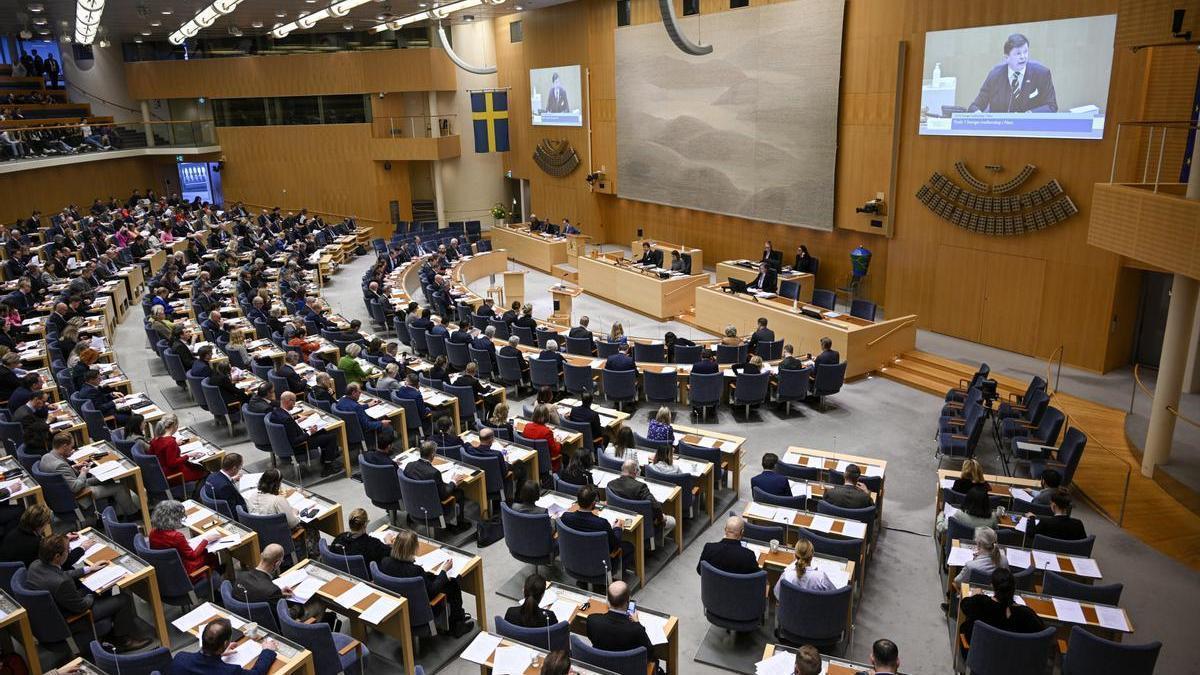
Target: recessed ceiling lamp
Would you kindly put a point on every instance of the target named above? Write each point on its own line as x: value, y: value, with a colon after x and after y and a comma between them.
x: 166, y: 12
x: 256, y: 24
x: 155, y: 23
x: 349, y: 25
x: 145, y: 33
x: 439, y: 12
x: 39, y: 21
x: 339, y: 8
x: 87, y: 20
x: 36, y: 7
x: 203, y: 19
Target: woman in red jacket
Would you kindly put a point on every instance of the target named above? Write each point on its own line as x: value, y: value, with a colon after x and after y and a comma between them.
x: 167, y: 521
x: 537, y: 428
x: 166, y: 449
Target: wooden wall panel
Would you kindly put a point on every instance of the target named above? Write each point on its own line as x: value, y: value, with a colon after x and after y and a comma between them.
x: 51, y: 189
x: 367, y: 72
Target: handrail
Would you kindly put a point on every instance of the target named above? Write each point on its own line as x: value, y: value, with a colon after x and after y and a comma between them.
x: 893, y: 329
x: 1057, y: 352
x: 318, y: 212
x: 1146, y: 390
x: 1072, y: 421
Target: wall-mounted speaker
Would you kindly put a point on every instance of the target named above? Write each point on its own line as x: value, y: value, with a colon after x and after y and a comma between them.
x: 387, y: 166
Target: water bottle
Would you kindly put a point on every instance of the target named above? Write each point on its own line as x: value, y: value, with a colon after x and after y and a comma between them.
x: 937, y: 74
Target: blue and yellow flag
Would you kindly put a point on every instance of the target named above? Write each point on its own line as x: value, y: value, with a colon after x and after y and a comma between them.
x: 489, y: 115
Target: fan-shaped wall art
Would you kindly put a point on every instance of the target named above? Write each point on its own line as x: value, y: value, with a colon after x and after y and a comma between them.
x: 989, y: 210
x: 556, y: 158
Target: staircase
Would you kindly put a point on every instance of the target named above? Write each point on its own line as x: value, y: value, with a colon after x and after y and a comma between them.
x: 936, y: 374
x: 423, y: 210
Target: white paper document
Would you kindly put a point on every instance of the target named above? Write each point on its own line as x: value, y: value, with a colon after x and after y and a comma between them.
x: 1018, y: 557
x: 959, y: 556
x: 512, y: 660
x: 107, y: 470
x: 244, y: 654
x: 432, y: 559
x: 1111, y: 617
x: 1068, y: 610
x: 1086, y: 567
x: 780, y: 663
x: 194, y: 446
x: 760, y: 511
x: 821, y: 524
x: 306, y: 589
x: 354, y: 595
x: 106, y: 576
x: 201, y: 615
x: 378, y: 410
x: 563, y: 609
x: 196, y: 516
x: 379, y: 610
x: 1021, y: 493
x: 1044, y: 560
x: 656, y: 627
x: 481, y: 648
x: 661, y: 492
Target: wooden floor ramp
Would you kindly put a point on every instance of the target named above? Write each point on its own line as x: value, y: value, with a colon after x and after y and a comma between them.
x: 1146, y: 510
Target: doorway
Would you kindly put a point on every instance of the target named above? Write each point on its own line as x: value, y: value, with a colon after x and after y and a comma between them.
x: 1152, y: 318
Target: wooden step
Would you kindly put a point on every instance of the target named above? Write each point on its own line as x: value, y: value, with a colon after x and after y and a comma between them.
x: 913, y: 379
x: 955, y: 370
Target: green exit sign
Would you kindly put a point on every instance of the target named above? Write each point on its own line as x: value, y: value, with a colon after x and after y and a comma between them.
x: 178, y: 158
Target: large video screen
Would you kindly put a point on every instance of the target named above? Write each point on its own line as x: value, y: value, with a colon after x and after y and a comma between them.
x: 556, y: 96
x: 1047, y: 79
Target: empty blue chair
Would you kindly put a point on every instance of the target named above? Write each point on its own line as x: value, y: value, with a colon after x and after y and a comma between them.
x: 620, y: 386
x: 750, y: 389
x: 528, y: 536
x: 58, y: 495
x: 542, y: 446
x: 797, y: 502
x: 331, y: 652
x: 762, y: 532
x: 561, y: 485
x: 798, y: 471
x: 492, y: 467
x: 660, y: 387
x: 732, y: 353
x: 551, y: 638
x: 828, y: 381
x: 1088, y: 653
x: 646, y: 352
x: 122, y: 533
x: 710, y: 455
x: 509, y: 371
x: 735, y: 602
x: 704, y: 391
x: 525, y: 333
x: 580, y: 346
x: 458, y: 354
x: 157, y: 660
x: 1060, y: 586
x: 7, y: 571
x: 818, y: 618
x: 687, y: 354
x: 543, y: 373
x: 256, y: 427
x: 422, y: 502
x: 578, y: 379
x: 436, y: 345
x: 585, y: 556
x: 175, y: 367
x: 686, y: 483
x: 94, y: 419
x: 158, y: 484
x: 789, y: 289
x: 193, y: 384
x: 282, y: 448
x: 420, y: 341
x: 381, y: 485
x: 355, y: 436
x: 583, y: 428
x: 995, y: 651
x: 643, y: 442
x: 355, y: 565
x: 1079, y: 547
x: 629, y: 662
x: 605, y: 349
x: 850, y: 549
x: 544, y: 336
x: 862, y: 309
x: 824, y: 298
x: 220, y: 408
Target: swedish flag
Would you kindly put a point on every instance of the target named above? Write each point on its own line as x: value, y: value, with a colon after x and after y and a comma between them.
x: 489, y: 115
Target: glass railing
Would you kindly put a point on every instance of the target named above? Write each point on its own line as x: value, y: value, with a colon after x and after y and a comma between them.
x: 419, y: 126
x: 182, y: 133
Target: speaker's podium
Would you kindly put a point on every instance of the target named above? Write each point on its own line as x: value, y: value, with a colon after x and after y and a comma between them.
x: 562, y: 295
x: 514, y: 287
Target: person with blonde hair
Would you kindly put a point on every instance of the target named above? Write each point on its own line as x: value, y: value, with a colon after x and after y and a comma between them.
x: 802, y: 573
x: 237, y: 343
x: 971, y: 475
x: 616, y: 334
x: 988, y: 556
x: 660, y: 427
x: 356, y: 540
x: 401, y: 563
x: 166, y: 449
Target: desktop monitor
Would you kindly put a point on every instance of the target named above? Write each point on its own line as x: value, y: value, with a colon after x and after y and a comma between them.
x: 737, y: 285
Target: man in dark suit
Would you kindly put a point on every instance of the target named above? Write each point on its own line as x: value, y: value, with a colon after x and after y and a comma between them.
x: 350, y: 403
x: 621, y: 360
x: 761, y: 334
x: 1060, y: 525
x: 263, y: 400
x: 483, y: 342
x: 300, y: 439
x: 100, y: 397
x: 222, y: 483
x: 728, y: 555
x: 770, y: 482
x: 556, y: 98
x: 707, y: 365
x: 411, y: 390
x: 47, y: 574
x: 257, y: 585
x: 286, y: 368
x: 513, y: 349
x: 627, y: 486
x: 213, y: 643
x: 584, y: 413
x: 790, y: 362
x: 423, y: 469
x: 648, y: 257
x: 487, y: 309
x: 1018, y: 84
x: 828, y: 357
x: 616, y: 630
x: 551, y: 353
x: 35, y: 430
x: 581, y: 331
x: 512, y: 313
x: 766, y: 279
x: 585, y: 519
x: 460, y: 334
x: 850, y: 494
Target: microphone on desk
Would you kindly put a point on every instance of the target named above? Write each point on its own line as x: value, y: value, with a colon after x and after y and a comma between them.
x: 426, y: 512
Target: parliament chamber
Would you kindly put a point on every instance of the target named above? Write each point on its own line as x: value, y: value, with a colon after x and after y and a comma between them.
x: 580, y: 336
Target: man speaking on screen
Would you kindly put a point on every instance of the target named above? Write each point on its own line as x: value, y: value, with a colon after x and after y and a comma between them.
x: 557, y: 102
x: 1018, y: 85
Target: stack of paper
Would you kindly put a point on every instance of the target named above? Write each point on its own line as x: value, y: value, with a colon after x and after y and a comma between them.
x: 107, y: 470
x: 312, y: 423
x: 196, y: 516
x: 709, y: 442
x: 481, y: 648
x: 432, y: 559
x: 300, y: 502
x: 760, y: 511
x: 821, y: 524
x: 1018, y: 557
x: 248, y: 481
x: 781, y: 663
x: 246, y: 652
x: 1045, y: 560
x: 303, y: 586
x: 104, y: 577
x: 380, y: 609
x: 201, y: 615
x: 1086, y: 567
x: 354, y: 595
x: 512, y: 660
x: 656, y: 627
x: 1021, y: 493
x: 1110, y: 617
x: 379, y: 410
x: 193, y: 447
x: 959, y: 556
x: 1068, y: 611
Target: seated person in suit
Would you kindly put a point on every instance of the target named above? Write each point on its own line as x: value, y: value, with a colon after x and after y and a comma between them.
x: 771, y: 256
x: 753, y: 365
x: 707, y: 365
x: 55, y: 461
x: 728, y: 555
x: 411, y: 390
x: 223, y: 484
x: 400, y: 564
x: 804, y: 261
x: 766, y: 280
x: 285, y: 367
x: 423, y: 469
x: 47, y: 573
x: 529, y: 614
x: 484, y: 447
x: 551, y: 353
x: 101, y: 397
x: 1061, y: 525
x: 257, y: 585
x: 761, y: 334
x: 584, y: 413
x: 513, y: 349
x: 769, y: 481
x: 323, y: 439
x: 202, y: 366
x: 851, y: 494
x: 622, y: 359
x: 214, y: 642
x: 678, y: 264
x: 568, y: 228
x: 584, y: 519
x: 535, y: 224
x: 350, y: 403
x: 827, y: 357
x: 581, y: 332
x: 616, y: 630
x: 627, y: 486
x: 357, y: 541
x: 648, y: 257
x: 526, y: 499
x: 790, y: 362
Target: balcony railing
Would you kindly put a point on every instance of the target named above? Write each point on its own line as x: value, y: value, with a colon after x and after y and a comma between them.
x: 415, y: 126
x: 1151, y: 154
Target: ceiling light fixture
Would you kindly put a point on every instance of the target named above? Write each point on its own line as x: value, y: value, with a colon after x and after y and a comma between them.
x: 256, y: 24
x: 349, y: 25
x: 87, y: 20
x: 36, y: 7
x: 155, y: 23
x: 145, y: 33
x: 439, y: 12
x: 338, y: 8
x: 39, y: 21
x: 167, y: 12
x: 203, y: 19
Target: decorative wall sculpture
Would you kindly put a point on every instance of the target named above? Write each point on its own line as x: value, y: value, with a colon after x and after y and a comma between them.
x: 984, y: 212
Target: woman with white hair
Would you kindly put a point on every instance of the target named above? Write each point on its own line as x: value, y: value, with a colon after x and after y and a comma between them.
x: 166, y: 523
x: 390, y: 379
x: 350, y: 366
x: 988, y: 556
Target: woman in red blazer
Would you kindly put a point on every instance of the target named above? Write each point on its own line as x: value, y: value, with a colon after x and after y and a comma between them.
x: 166, y: 449
x: 166, y: 522
x: 537, y: 428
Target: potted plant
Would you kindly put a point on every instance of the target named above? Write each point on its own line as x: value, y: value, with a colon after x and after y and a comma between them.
x: 499, y: 213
